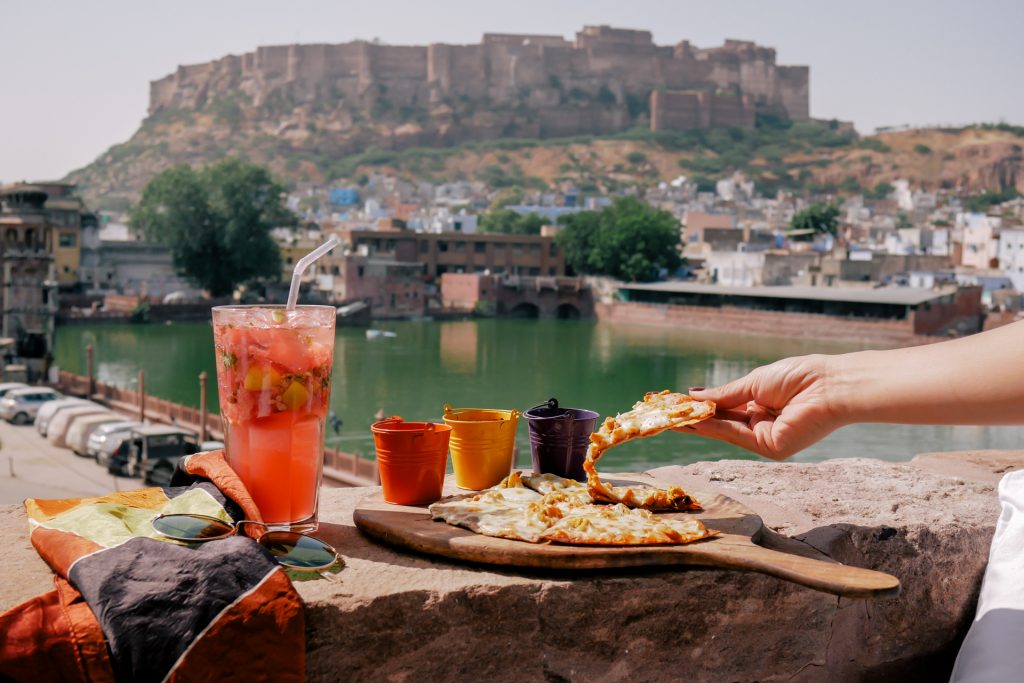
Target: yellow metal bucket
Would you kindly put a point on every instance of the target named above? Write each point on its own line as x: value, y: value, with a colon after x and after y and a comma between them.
x: 482, y: 445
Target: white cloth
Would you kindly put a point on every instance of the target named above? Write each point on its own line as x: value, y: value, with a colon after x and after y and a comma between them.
x: 993, y: 651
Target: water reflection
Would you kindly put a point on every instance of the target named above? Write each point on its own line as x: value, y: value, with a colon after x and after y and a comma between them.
x: 458, y: 346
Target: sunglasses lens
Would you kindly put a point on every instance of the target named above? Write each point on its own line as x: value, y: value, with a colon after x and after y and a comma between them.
x: 192, y: 527
x: 298, y: 551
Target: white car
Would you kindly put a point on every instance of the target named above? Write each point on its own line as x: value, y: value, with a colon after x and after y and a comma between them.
x: 64, y: 420
x: 11, y: 386
x: 78, y: 436
x: 20, y: 406
x: 107, y: 433
x: 47, y: 412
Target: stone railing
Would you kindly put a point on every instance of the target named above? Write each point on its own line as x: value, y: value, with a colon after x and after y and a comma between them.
x: 406, y: 617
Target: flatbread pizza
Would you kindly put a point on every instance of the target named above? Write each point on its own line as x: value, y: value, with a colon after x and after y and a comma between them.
x: 543, y: 507
x: 659, y: 411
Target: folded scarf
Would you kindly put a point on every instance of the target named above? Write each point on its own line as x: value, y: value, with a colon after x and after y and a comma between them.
x: 131, y: 605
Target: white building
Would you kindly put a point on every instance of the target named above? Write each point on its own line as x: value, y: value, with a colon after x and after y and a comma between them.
x: 736, y: 268
x: 1011, y: 256
x: 977, y: 239
x: 903, y: 195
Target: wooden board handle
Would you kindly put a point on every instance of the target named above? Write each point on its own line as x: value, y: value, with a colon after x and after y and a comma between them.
x: 830, y: 577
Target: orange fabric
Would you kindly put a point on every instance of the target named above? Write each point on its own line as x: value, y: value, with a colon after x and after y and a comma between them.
x: 90, y: 645
x: 60, y: 549
x: 56, y: 637
x: 214, y: 466
x: 53, y: 637
x: 258, y: 625
x: 148, y: 498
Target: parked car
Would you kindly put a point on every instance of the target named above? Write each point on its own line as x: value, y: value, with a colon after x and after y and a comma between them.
x: 114, y: 453
x: 11, y: 386
x: 154, y: 452
x: 78, y: 434
x: 47, y: 412
x: 20, y: 406
x: 57, y: 429
x: 99, y: 437
x: 210, y: 446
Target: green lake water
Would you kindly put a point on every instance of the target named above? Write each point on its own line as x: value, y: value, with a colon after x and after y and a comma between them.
x: 511, y: 364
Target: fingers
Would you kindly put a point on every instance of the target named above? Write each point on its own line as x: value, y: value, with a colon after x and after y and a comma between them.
x: 753, y: 431
x: 736, y: 393
x: 737, y: 433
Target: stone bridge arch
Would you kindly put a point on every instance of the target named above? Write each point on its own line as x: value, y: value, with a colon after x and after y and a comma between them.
x: 564, y: 298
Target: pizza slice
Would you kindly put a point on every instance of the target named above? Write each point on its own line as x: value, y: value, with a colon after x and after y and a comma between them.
x: 619, y: 525
x: 552, y: 483
x: 656, y: 413
x: 501, y: 512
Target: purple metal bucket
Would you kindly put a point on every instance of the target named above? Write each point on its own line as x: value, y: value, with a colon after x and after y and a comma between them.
x: 559, y: 438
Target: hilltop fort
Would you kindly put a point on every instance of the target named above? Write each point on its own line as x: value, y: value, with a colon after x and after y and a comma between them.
x: 526, y: 86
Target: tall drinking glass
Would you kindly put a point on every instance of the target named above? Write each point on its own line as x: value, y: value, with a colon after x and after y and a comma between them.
x: 274, y: 380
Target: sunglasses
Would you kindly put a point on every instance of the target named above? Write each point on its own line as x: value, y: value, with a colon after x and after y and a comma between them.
x: 290, y: 549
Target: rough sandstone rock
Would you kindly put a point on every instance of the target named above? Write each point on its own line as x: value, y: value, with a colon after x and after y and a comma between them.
x: 401, y: 617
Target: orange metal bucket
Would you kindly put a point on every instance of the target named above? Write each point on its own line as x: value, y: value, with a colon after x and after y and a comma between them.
x: 482, y: 445
x: 411, y: 459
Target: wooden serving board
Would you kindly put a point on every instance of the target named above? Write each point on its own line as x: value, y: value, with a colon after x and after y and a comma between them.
x: 411, y: 527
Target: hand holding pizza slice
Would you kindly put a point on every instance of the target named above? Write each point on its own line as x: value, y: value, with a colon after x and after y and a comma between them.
x: 656, y: 413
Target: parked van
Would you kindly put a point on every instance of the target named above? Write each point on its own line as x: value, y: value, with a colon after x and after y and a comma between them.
x: 78, y: 434
x: 47, y: 412
x: 58, y: 428
x: 108, y: 432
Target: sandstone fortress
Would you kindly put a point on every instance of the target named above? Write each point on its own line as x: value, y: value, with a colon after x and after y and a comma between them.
x: 525, y: 86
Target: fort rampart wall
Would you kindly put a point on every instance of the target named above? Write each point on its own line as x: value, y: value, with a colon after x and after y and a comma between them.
x: 600, y: 83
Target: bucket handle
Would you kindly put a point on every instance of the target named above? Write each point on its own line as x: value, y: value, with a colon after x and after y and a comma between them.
x: 448, y: 410
x: 550, y: 403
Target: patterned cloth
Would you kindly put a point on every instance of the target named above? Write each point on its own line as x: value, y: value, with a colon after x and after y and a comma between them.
x: 130, y: 605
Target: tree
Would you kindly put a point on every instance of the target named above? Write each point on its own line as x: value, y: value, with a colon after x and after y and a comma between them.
x: 880, y: 191
x: 512, y: 223
x: 819, y: 217
x: 216, y: 221
x: 629, y: 240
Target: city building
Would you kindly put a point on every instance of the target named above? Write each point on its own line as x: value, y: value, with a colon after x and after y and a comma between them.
x: 461, y: 253
x: 29, y: 279
x: 68, y: 217
x: 922, y: 311
x: 114, y: 260
x: 1011, y: 255
x: 977, y: 243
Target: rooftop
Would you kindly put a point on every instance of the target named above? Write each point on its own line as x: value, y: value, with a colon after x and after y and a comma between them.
x: 903, y: 296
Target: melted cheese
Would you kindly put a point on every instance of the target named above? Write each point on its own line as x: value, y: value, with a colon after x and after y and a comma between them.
x: 653, y: 415
x: 560, y: 510
x: 495, y: 512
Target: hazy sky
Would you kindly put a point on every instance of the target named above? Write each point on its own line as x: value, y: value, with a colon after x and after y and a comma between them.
x: 76, y: 74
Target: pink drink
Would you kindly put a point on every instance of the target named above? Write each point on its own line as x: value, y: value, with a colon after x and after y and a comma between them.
x: 274, y: 380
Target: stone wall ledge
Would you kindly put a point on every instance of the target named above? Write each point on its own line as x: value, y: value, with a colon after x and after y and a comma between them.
x: 401, y: 617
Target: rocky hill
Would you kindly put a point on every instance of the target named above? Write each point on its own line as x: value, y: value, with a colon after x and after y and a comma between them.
x: 810, y: 159
x: 608, y: 109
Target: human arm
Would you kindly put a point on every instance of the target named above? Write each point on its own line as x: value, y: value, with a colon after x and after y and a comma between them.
x: 780, y: 409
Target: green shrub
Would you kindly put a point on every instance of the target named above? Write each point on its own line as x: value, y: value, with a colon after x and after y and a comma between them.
x: 874, y: 144
x: 636, y: 157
